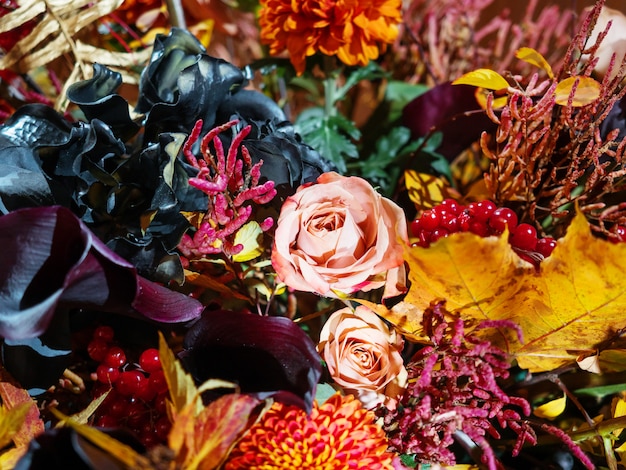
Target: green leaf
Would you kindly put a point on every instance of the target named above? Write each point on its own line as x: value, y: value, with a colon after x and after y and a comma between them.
x: 329, y: 135
x: 323, y: 392
x: 372, y: 71
x: 398, y: 94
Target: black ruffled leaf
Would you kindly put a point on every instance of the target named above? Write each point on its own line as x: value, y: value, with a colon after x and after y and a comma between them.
x: 267, y: 356
x: 182, y: 84
x: 97, y: 100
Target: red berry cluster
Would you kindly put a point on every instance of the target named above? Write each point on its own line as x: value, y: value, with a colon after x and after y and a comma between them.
x: 137, y: 390
x: 484, y: 219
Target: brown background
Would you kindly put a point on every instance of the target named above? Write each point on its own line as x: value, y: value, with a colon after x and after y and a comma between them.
x: 518, y: 7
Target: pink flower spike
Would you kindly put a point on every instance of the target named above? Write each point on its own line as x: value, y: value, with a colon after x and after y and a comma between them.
x: 267, y: 224
x: 193, y: 137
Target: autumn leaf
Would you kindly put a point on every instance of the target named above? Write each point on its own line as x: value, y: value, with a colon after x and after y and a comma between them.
x: 484, y: 78
x: 15, y: 397
x: 551, y: 409
x: 587, y: 91
x: 575, y: 302
x: 531, y: 56
x: 208, y: 435
x: 426, y: 190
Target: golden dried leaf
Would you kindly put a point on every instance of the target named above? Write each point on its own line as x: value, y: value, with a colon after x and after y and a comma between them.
x: 208, y: 282
x: 426, y: 190
x: 182, y: 388
x: 530, y: 55
x: 11, y: 420
x: 14, y: 397
x: 587, y: 91
x: 575, y: 302
x: 551, y: 409
x: 248, y: 236
x: 484, y: 78
x: 216, y: 429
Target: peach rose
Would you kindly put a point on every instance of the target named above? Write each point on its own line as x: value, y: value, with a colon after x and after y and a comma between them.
x: 337, y: 237
x: 363, y: 356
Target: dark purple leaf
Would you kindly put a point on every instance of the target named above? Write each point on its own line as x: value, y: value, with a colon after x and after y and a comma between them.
x: 452, y: 110
x: 266, y: 356
x: 51, y: 259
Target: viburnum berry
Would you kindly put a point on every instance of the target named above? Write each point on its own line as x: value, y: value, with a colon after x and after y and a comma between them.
x: 150, y: 360
x: 130, y: 382
x: 115, y: 357
x: 484, y: 219
x: 524, y: 237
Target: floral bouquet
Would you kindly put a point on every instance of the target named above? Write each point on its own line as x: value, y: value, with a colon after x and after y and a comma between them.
x: 321, y: 235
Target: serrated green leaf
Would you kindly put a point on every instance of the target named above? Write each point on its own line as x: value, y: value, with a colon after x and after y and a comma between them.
x: 342, y: 123
x: 324, y: 136
x: 372, y: 71
x: 398, y: 94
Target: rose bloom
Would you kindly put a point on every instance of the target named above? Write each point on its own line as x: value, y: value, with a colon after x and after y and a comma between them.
x: 613, y: 43
x: 354, y: 30
x: 337, y: 237
x: 363, y: 356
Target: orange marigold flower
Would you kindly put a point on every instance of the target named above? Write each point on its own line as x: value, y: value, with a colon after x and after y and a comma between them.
x: 338, y: 435
x: 354, y: 30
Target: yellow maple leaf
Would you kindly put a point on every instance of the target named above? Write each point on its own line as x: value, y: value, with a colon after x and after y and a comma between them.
x: 576, y: 301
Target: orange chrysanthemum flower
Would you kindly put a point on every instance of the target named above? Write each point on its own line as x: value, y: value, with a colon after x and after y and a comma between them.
x: 338, y: 435
x: 354, y: 30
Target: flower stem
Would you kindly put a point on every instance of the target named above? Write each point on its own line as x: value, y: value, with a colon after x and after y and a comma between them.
x: 330, y: 87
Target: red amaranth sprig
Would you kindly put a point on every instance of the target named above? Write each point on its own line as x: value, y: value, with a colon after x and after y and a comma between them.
x: 232, y: 185
x: 453, y: 388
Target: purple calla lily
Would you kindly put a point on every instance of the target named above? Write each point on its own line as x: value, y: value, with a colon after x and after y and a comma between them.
x: 50, y: 259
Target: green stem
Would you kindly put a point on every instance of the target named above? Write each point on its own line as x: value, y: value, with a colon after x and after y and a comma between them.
x: 330, y: 87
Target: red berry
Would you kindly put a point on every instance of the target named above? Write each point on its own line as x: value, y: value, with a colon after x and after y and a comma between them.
x: 449, y: 222
x: 545, y: 246
x: 162, y: 428
x: 105, y: 333
x: 115, y: 357
x: 157, y: 382
x: 130, y: 382
x: 524, y: 237
x: 438, y: 233
x: 97, y: 349
x: 118, y: 408
x: 479, y: 228
x: 106, y: 421
x: 149, y: 360
x: 501, y: 218
x: 107, y: 374
x: 416, y: 227
x: 482, y: 210
x: 452, y: 205
x: 620, y: 234
x: 429, y: 220
x: 160, y: 403
x: 463, y: 221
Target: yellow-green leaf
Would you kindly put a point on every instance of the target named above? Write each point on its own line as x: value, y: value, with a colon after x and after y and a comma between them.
x: 576, y: 301
x: 11, y: 420
x: 250, y: 236
x: 587, y: 91
x: 551, y: 409
x: 530, y: 55
x: 484, y: 78
x: 182, y: 388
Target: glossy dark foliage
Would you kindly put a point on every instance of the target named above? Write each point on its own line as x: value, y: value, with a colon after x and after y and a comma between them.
x: 64, y: 448
x: 52, y: 263
x: 266, y: 356
x: 106, y: 194
x: 451, y: 110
